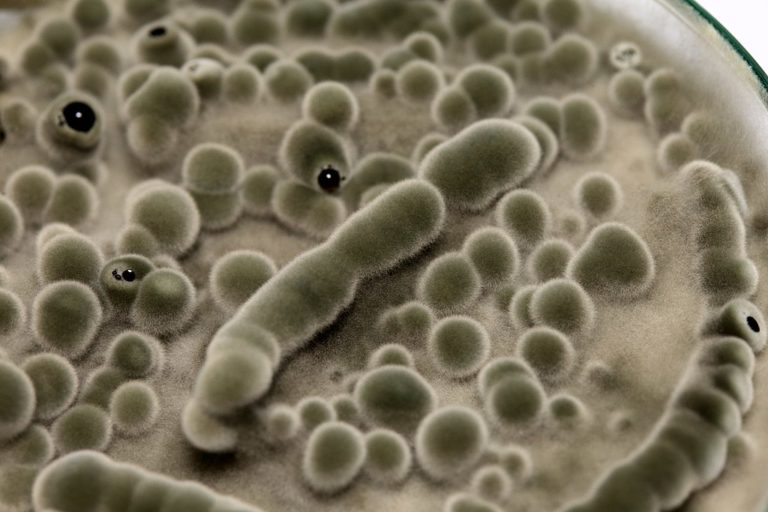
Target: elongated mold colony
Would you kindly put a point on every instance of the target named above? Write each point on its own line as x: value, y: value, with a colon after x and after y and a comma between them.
x: 327, y: 255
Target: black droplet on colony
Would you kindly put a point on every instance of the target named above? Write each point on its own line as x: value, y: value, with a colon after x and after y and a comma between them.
x: 752, y: 323
x: 79, y: 116
x: 129, y: 275
x: 2, y: 135
x: 157, y: 31
x: 116, y: 275
x: 329, y: 179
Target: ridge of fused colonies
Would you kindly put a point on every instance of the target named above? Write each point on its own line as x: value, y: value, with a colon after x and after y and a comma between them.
x: 374, y: 19
x: 60, y: 487
x: 503, y: 154
x: 311, y: 291
x: 687, y: 450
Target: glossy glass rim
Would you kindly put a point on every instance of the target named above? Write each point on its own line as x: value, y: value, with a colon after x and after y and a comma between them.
x: 734, y: 43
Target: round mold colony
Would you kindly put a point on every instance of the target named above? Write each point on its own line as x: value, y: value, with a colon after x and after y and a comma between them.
x: 66, y: 316
x: 69, y: 257
x: 30, y: 188
x: 55, y: 381
x: 281, y: 422
x: 614, y: 262
x: 83, y: 427
x: 237, y: 275
x: 13, y: 314
x: 134, y: 408
x: 334, y: 455
x: 32, y: 448
x: 395, y: 397
x: 212, y: 174
x: 165, y: 301
x: 390, y: 354
x: 333, y: 105
x: 313, y: 411
x: 168, y: 212
x: 525, y: 216
x: 493, y: 254
x: 547, y: 351
x: 458, y: 346
x: 135, y: 354
x: 449, y: 441
x: 18, y: 400
x: 492, y: 483
x: 388, y: 457
x: 449, y: 282
x: 563, y: 305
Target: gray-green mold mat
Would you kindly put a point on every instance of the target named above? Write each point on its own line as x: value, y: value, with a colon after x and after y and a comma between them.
x: 326, y: 255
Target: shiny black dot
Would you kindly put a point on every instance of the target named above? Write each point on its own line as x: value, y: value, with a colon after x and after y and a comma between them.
x: 129, y: 275
x: 116, y: 275
x: 79, y: 116
x: 329, y: 179
x: 2, y: 135
x: 157, y: 31
x: 752, y: 323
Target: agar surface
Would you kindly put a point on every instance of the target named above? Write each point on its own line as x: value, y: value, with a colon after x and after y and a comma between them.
x: 321, y: 255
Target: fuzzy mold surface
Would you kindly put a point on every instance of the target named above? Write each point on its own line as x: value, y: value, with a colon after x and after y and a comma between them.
x: 337, y: 255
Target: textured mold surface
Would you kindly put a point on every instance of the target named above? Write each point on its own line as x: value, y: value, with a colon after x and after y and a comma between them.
x: 329, y: 255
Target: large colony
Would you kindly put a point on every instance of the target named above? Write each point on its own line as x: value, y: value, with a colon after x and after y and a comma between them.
x: 368, y: 254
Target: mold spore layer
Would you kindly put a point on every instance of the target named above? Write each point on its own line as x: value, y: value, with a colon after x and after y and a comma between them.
x: 322, y: 255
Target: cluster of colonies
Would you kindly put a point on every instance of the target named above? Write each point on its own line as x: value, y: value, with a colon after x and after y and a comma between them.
x: 368, y: 215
